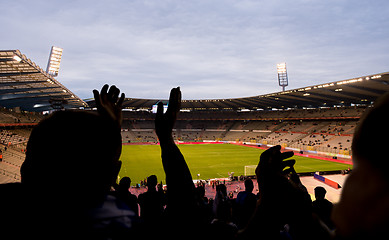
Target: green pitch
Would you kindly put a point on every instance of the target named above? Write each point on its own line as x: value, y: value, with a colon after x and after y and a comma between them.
x: 208, y: 160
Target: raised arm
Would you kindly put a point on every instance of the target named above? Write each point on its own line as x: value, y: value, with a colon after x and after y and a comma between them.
x: 181, y: 195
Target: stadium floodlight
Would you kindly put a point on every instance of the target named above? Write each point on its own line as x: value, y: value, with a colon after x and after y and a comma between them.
x: 54, y: 61
x: 282, y: 75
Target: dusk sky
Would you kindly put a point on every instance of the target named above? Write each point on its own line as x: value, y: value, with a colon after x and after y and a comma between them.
x: 211, y: 49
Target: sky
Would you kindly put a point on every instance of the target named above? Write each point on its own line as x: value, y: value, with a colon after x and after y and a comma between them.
x: 210, y: 48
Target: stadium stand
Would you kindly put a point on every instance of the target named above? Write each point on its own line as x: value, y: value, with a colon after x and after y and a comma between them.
x: 15, y: 129
x: 269, y: 127
x: 314, y: 118
x: 287, y: 128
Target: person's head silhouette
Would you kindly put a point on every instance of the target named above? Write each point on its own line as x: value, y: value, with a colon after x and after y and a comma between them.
x: 363, y: 210
x: 320, y: 193
x: 125, y: 183
x: 152, y: 182
x: 249, y: 185
x: 73, y: 153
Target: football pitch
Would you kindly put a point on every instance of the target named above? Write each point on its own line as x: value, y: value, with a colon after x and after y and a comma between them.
x: 208, y: 160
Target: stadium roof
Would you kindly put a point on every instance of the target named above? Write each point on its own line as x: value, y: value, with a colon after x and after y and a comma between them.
x: 361, y: 90
x: 24, y: 84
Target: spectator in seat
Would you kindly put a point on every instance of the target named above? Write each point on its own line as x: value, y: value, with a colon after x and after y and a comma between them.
x: 123, y: 193
x: 363, y: 209
x: 72, y: 160
x: 204, y: 208
x: 322, y: 207
x: 283, y: 201
x: 245, y: 203
x: 151, y: 206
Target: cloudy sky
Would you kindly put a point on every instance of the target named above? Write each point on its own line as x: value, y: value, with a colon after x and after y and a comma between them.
x: 211, y: 48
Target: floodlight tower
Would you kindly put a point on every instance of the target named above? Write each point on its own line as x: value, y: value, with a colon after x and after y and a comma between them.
x: 54, y: 61
x: 282, y: 75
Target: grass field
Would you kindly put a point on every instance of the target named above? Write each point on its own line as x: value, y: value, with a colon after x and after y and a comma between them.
x: 208, y: 160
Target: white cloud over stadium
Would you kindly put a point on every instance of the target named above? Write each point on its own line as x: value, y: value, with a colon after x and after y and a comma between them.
x: 212, y: 49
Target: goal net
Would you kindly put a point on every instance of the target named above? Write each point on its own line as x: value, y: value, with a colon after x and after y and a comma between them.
x: 249, y: 170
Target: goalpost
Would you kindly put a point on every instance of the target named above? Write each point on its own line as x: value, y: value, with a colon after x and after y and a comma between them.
x: 249, y: 170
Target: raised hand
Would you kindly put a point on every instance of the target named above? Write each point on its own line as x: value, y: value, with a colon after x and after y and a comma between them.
x: 109, y: 104
x: 282, y: 195
x: 164, y: 122
x: 272, y: 165
x: 282, y: 199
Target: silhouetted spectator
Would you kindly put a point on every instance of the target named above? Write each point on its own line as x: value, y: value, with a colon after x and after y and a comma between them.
x: 220, y: 196
x: 150, y: 203
x: 66, y: 178
x: 222, y: 226
x: 363, y: 209
x: 322, y: 207
x: 124, y: 194
x: 282, y: 201
x: 204, y: 208
x: 245, y: 203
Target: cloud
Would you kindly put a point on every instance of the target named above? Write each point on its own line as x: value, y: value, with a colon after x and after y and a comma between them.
x: 212, y: 49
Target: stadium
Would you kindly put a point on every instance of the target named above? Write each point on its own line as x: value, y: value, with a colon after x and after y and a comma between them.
x: 220, y: 138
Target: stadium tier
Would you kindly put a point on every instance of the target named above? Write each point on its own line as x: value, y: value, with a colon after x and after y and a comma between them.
x: 325, y: 130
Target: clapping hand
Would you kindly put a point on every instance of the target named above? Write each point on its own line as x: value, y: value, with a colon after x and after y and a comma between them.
x: 109, y: 104
x: 279, y: 186
x: 282, y: 199
x: 272, y: 167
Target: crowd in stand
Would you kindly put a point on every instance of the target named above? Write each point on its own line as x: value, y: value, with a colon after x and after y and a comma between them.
x: 64, y: 196
x: 222, y: 210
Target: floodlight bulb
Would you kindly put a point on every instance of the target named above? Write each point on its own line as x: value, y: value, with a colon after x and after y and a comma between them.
x: 281, y: 67
x: 17, y: 58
